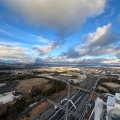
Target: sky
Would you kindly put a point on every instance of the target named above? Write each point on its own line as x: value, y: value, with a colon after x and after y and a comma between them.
x: 60, y: 31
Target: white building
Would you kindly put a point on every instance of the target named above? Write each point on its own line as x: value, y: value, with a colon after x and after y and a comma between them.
x: 113, y: 102
x: 98, y: 108
x: 113, y: 105
x: 112, y: 108
x: 8, y: 98
x: 117, y: 98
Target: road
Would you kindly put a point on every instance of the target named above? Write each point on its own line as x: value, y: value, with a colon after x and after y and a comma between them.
x: 79, y: 103
x: 79, y: 99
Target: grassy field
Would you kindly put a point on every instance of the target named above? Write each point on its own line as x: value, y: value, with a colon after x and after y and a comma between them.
x: 25, y: 86
x: 102, y: 88
x: 111, y: 84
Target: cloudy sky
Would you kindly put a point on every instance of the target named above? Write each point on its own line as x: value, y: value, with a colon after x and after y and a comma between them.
x: 60, y: 31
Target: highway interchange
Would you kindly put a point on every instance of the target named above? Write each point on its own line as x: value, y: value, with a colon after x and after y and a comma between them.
x: 80, y: 99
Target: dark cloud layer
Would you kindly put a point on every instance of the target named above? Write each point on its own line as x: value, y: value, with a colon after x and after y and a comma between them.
x: 63, y: 15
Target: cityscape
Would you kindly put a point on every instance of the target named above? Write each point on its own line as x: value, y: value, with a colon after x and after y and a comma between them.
x: 59, y: 60
x: 58, y: 93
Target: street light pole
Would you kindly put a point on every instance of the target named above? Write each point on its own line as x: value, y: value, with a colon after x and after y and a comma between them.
x: 68, y: 95
x: 68, y: 89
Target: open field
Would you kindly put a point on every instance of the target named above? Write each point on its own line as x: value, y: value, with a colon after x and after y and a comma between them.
x: 102, y: 88
x: 25, y: 86
x: 110, y: 84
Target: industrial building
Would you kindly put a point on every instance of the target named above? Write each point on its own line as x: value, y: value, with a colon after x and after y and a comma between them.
x: 113, y: 104
x: 7, y: 98
x: 109, y: 110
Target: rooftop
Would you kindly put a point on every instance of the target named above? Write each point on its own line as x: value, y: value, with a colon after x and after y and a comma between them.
x: 117, y: 96
x: 111, y: 101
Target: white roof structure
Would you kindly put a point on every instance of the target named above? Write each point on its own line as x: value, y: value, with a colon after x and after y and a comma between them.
x: 111, y: 101
x: 7, y: 98
x: 117, y: 100
x: 117, y: 96
x: 98, y: 108
x: 114, y: 100
x: 113, y: 107
x: 113, y: 104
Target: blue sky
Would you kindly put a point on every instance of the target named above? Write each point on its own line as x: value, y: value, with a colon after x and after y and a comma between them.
x: 65, y: 31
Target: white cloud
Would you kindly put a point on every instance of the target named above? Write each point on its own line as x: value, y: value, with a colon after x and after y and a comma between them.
x: 111, y: 61
x: 103, y: 36
x: 14, y: 53
x: 45, y: 49
x: 53, y: 59
x: 100, y: 37
x: 66, y: 16
x: 100, y: 42
x: 78, y: 61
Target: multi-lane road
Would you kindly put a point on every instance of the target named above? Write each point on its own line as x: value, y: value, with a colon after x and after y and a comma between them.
x: 80, y: 99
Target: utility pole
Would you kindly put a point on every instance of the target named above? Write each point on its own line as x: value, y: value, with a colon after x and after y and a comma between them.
x: 68, y: 91
x: 68, y: 95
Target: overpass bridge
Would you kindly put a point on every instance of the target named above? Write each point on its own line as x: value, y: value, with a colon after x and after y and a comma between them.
x: 64, y: 108
x: 83, y: 89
